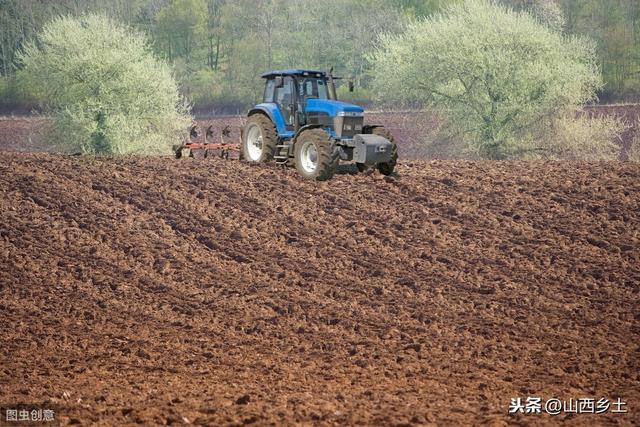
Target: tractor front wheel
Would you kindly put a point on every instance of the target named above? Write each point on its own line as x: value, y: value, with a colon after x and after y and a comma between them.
x: 316, y: 155
x: 259, y: 139
x: 387, y: 167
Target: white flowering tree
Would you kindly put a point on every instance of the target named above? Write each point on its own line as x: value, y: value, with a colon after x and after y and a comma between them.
x: 104, y: 88
x: 494, y: 73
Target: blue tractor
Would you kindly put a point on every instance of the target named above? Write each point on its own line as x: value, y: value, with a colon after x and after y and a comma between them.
x: 300, y: 121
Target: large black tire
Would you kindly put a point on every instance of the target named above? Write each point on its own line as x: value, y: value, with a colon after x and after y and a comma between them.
x: 326, y: 155
x: 267, y: 138
x: 388, y: 167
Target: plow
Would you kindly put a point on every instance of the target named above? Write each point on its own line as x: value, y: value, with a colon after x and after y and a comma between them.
x: 225, y: 148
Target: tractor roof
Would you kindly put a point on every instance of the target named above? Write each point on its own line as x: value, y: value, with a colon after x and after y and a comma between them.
x: 292, y: 72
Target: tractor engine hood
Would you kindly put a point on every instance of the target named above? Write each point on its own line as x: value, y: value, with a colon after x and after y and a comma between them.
x: 332, y: 108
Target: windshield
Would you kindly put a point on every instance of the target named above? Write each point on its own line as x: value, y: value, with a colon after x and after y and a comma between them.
x: 312, y: 87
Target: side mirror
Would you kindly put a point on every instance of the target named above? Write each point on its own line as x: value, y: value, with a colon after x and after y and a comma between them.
x: 351, y: 86
x: 280, y: 82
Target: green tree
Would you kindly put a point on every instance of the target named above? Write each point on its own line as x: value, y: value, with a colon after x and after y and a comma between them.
x: 615, y: 26
x: 547, y: 12
x: 214, y: 33
x: 422, y: 8
x: 217, y: 44
x: 495, y: 74
x: 106, y: 91
x: 182, y: 28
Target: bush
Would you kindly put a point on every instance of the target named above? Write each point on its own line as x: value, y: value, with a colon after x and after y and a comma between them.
x: 579, y: 137
x: 492, y: 73
x: 14, y: 97
x: 200, y: 88
x: 633, y: 153
x: 360, y: 96
x: 104, y: 88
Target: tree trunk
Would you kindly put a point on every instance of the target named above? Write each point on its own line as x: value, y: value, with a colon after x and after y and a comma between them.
x: 4, y: 54
x: 217, y: 57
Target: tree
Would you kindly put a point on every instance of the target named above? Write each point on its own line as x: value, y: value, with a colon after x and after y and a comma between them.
x: 106, y: 91
x: 615, y: 25
x: 495, y: 74
x: 422, y: 8
x: 214, y: 18
x: 547, y: 12
x: 214, y: 46
x: 182, y: 25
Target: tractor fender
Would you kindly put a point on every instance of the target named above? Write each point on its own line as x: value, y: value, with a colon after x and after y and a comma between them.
x: 303, y: 128
x: 273, y: 113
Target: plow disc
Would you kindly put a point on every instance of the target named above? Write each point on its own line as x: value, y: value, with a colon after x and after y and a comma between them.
x: 207, y: 146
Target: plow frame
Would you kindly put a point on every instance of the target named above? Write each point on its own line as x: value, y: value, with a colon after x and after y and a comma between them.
x: 222, y: 149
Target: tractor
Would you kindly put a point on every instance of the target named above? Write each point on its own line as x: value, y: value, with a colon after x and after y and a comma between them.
x: 300, y: 121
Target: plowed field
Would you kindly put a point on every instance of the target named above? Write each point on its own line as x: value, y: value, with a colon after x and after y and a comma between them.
x: 158, y: 291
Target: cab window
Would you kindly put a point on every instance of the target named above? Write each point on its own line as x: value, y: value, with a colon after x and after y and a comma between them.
x: 268, y: 90
x: 313, y: 88
x: 284, y: 97
x: 284, y: 94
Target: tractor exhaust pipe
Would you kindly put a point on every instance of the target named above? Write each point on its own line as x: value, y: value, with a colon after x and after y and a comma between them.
x: 332, y: 83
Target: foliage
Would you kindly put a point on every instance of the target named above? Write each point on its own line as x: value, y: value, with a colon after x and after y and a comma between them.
x: 105, y: 89
x: 232, y: 38
x: 579, y: 137
x: 493, y: 73
x: 546, y: 12
x: 615, y: 26
x: 15, y: 96
x: 549, y: 13
x: 633, y: 153
x: 181, y: 26
x: 360, y: 96
x: 422, y: 8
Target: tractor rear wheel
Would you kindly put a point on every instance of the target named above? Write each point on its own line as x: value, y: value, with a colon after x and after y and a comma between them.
x: 387, y: 167
x: 316, y: 155
x: 259, y: 139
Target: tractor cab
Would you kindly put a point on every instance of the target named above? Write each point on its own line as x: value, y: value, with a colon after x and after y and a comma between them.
x: 306, y: 97
x: 300, y: 121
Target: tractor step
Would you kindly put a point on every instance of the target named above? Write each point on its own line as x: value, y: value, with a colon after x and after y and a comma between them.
x: 279, y: 157
x: 281, y: 160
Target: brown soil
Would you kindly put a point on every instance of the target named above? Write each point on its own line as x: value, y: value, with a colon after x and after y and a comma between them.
x: 156, y: 291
